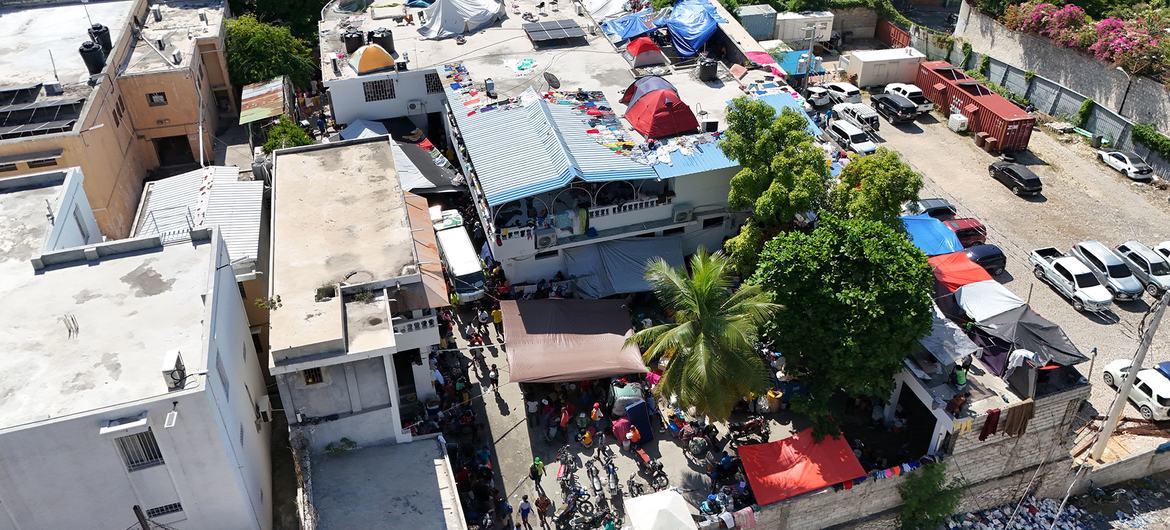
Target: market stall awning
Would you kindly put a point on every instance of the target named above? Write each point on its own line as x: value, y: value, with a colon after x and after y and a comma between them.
x: 930, y: 235
x: 798, y: 464
x: 955, y: 270
x: 555, y: 340
x: 619, y: 266
x: 983, y: 300
x: 663, y: 510
x: 946, y: 341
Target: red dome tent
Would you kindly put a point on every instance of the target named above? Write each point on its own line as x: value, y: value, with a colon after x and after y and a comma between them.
x: 656, y: 110
x: 643, y: 52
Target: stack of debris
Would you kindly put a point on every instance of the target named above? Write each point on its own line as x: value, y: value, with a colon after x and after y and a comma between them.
x: 1033, y: 514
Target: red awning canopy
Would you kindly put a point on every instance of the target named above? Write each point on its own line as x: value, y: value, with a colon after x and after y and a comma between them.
x: 798, y: 464
x: 955, y: 270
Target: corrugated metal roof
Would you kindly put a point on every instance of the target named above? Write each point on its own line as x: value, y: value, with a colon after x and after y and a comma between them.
x: 262, y: 100
x: 206, y: 197
x: 781, y: 100
x: 704, y: 157
x: 524, y: 150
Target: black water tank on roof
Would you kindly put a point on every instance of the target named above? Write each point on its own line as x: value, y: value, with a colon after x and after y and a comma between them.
x: 94, y: 57
x: 353, y: 40
x: 708, y: 70
x: 384, y: 38
x: 101, y: 35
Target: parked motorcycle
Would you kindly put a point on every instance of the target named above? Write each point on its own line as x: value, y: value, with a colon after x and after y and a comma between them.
x: 652, y: 469
x: 590, y: 522
x: 742, y: 431
x: 634, y: 487
x: 613, y: 483
x: 575, y: 494
x: 594, y: 479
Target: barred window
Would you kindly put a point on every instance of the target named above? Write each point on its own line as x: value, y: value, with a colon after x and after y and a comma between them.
x: 313, y: 376
x: 174, y: 507
x: 7, y: 167
x: 378, y: 90
x: 140, y: 450
x: 223, y: 380
x: 42, y: 162
x: 434, y: 83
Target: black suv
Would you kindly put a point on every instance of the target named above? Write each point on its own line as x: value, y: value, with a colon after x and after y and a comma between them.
x: 895, y: 108
x: 1018, y: 178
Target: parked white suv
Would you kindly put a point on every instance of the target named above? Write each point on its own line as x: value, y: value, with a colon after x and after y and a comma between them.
x: 912, y: 93
x: 848, y: 136
x: 1151, y: 389
x: 843, y: 92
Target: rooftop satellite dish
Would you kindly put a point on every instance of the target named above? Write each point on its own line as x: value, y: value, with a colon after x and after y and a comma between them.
x: 553, y: 82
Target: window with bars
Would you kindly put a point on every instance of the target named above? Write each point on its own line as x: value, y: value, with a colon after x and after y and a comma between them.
x: 140, y: 450
x: 434, y: 83
x: 157, y: 511
x: 378, y: 90
x: 241, y: 435
x: 42, y: 162
x: 156, y: 99
x: 7, y: 167
x: 223, y: 380
x: 313, y: 376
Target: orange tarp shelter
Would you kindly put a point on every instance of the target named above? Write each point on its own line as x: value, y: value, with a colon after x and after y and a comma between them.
x: 798, y: 464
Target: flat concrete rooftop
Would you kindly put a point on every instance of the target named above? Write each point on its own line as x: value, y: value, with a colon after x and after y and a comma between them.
x: 404, y: 486
x: 494, y: 52
x: 179, y: 28
x: 28, y: 34
x: 129, y: 310
x: 338, y: 217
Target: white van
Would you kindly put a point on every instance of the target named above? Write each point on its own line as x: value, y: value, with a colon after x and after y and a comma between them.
x: 848, y: 136
x: 460, y: 259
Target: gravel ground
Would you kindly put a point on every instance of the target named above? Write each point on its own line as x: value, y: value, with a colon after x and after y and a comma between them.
x: 1082, y: 199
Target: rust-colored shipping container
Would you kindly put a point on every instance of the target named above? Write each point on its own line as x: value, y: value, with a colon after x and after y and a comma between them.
x: 949, y: 88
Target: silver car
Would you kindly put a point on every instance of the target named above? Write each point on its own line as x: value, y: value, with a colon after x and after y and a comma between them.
x: 1150, y: 267
x: 1109, y: 269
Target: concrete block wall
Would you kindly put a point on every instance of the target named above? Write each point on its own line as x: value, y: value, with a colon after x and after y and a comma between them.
x: 860, y: 21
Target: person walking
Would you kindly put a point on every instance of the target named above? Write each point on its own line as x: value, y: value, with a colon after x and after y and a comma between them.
x: 543, y: 509
x: 494, y: 379
x: 498, y: 322
x: 484, y: 318
x: 525, y: 509
x: 536, y: 472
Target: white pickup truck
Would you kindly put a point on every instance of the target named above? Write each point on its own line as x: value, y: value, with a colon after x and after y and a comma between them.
x: 1071, y: 278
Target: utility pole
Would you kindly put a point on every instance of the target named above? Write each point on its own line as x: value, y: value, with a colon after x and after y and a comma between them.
x: 142, y: 520
x: 1122, y: 397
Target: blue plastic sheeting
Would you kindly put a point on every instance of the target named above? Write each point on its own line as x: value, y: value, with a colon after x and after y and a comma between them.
x: 784, y: 100
x: 629, y: 26
x: 619, y: 266
x: 930, y: 235
x: 789, y: 62
x: 706, y: 157
x: 1164, y: 367
x: 645, y: 86
x: 691, y: 23
x: 639, y: 414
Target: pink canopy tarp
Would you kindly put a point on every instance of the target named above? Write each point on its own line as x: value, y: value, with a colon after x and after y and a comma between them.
x: 554, y: 340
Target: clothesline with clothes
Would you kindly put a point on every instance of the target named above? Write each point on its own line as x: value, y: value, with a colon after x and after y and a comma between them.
x: 889, y: 472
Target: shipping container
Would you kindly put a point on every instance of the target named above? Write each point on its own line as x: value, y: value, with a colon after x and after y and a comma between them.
x: 882, y: 67
x: 759, y: 21
x: 953, y: 91
x: 790, y: 27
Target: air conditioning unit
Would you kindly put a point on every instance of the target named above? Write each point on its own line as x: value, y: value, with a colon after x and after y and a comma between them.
x: 173, y: 370
x: 264, y: 408
x: 683, y: 214
x: 415, y: 106
x: 546, y: 238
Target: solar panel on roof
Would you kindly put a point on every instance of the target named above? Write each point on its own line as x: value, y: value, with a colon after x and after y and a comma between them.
x: 19, y: 94
x: 553, y: 30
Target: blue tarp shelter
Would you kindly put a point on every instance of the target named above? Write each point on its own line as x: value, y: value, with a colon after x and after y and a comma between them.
x: 783, y: 100
x: 930, y: 235
x: 639, y: 415
x: 619, y: 266
x: 629, y: 26
x: 691, y: 23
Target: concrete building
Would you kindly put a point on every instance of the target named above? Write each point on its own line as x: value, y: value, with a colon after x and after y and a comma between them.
x: 356, y: 269
x: 130, y: 379
x: 150, y: 99
x: 215, y: 197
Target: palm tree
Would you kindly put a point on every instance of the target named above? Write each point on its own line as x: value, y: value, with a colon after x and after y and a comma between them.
x: 709, y: 347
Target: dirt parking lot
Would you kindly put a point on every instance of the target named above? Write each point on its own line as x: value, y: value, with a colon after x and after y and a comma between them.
x: 1082, y: 200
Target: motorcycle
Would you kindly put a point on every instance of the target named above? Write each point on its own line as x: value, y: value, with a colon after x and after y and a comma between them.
x: 652, y: 468
x: 590, y: 522
x: 755, y: 426
x: 594, y: 479
x: 612, y: 480
x: 577, y: 496
x: 634, y: 487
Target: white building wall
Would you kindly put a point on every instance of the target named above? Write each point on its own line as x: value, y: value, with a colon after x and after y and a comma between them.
x: 64, y: 474
x: 74, y: 223
x: 705, y: 192
x: 349, y: 101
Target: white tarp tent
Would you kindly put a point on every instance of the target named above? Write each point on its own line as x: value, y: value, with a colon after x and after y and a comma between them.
x: 664, y: 510
x: 985, y: 299
x: 362, y: 129
x: 600, y: 9
x: 946, y: 340
x: 448, y: 18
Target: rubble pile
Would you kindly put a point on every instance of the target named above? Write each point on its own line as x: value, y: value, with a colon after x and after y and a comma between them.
x: 1033, y: 514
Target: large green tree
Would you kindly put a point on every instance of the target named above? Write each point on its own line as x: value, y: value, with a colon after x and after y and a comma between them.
x: 709, y: 346
x: 286, y: 133
x: 854, y: 297
x: 783, y: 174
x: 258, y: 52
x: 299, y: 16
x: 927, y: 498
x: 874, y: 187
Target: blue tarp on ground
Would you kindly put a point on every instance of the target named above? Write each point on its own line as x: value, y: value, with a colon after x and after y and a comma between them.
x: 629, y: 26
x: 930, y: 235
x: 639, y: 415
x: 790, y: 61
x: 691, y: 23
x: 782, y: 100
